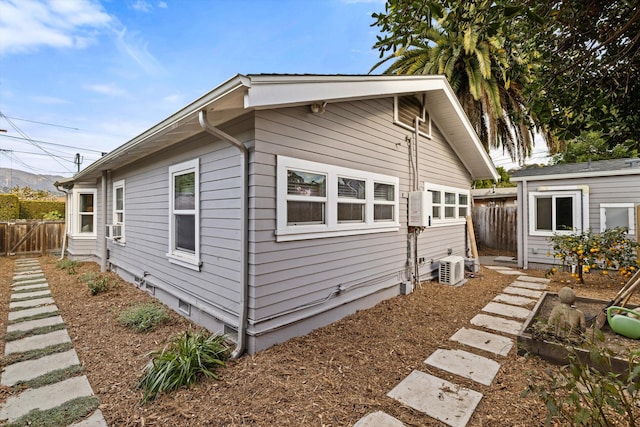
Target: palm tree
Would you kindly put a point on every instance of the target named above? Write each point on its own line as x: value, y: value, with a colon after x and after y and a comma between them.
x: 472, y: 44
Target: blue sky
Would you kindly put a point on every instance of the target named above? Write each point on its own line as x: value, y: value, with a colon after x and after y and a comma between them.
x: 95, y: 74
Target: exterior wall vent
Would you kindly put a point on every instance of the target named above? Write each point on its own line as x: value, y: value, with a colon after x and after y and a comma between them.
x: 184, y: 307
x: 451, y: 270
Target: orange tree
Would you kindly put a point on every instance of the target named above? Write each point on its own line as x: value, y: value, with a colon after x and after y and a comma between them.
x: 610, y: 250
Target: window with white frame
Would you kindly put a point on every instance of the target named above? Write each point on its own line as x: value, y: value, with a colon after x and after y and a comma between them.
x: 617, y: 215
x: 84, y: 224
x: 555, y: 212
x: 118, y: 210
x: 450, y: 204
x: 320, y: 200
x: 184, y: 214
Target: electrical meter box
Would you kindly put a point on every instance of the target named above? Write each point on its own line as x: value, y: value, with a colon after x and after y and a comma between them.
x: 420, y: 209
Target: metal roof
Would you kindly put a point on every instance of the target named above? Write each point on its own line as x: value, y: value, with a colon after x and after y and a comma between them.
x: 244, y: 93
x: 579, y: 170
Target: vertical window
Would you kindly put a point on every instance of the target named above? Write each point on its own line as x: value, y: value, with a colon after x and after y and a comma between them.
x: 118, y: 209
x: 351, y: 200
x: 306, y: 197
x: 383, y: 201
x: 86, y: 214
x: 449, y: 204
x: 555, y: 212
x: 184, y: 214
x: 614, y: 215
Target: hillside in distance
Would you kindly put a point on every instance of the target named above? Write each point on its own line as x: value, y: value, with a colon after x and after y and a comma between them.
x: 9, y: 178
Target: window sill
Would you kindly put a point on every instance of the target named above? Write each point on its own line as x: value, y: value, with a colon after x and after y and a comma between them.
x: 291, y: 234
x: 190, y: 263
x: 83, y: 236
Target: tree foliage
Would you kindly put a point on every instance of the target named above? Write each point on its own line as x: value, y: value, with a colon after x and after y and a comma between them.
x: 28, y: 193
x: 592, y: 146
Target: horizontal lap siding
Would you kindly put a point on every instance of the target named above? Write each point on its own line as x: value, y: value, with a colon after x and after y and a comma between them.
x: 147, y: 220
x: 287, y: 275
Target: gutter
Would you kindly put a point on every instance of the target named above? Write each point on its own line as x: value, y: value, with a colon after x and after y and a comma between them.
x: 244, y: 230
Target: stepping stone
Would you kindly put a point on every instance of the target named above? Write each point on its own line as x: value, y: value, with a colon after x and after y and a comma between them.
x: 522, y: 292
x: 511, y: 272
x: 30, y: 276
x: 504, y: 259
x: 31, y: 303
x: 97, y: 420
x: 30, y: 369
x: 375, y: 419
x: 41, y: 279
x: 33, y: 324
x: 21, y: 295
x: 496, y: 344
x: 36, y: 342
x: 438, y: 398
x: 534, y: 279
x: 496, y: 267
x: 507, y: 310
x: 513, y: 299
x: 497, y: 324
x: 27, y: 272
x: 468, y: 365
x: 15, y: 315
x: 27, y: 287
x: 45, y: 397
x: 530, y: 285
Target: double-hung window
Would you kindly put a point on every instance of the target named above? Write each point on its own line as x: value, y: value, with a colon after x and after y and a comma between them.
x: 617, y: 215
x: 555, y: 212
x: 184, y: 214
x: 84, y: 213
x: 320, y: 200
x: 450, y: 205
x: 118, y: 211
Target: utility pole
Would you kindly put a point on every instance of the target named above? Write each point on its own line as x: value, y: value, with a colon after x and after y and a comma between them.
x: 77, y: 161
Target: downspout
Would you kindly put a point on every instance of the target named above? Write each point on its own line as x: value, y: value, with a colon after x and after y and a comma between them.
x: 103, y: 220
x: 416, y: 186
x: 66, y: 209
x: 524, y: 220
x: 244, y: 228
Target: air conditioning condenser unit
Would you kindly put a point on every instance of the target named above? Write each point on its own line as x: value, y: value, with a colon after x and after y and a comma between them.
x: 451, y: 270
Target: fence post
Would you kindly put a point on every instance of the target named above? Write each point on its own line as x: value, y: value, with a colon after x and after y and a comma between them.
x: 43, y: 237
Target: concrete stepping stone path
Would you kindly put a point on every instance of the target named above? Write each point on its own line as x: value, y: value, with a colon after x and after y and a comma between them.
x: 492, y: 343
x: 31, y: 297
x: 522, y: 292
x: 529, y: 285
x: 506, y: 310
x: 468, y: 365
x: 499, y: 324
x: 514, y: 299
x: 378, y: 419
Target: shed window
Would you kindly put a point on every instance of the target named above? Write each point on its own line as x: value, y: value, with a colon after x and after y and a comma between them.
x: 617, y: 215
x: 555, y: 212
x: 184, y: 214
x: 320, y: 200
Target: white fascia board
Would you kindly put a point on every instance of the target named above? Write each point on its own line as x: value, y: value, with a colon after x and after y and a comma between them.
x: 280, y: 91
x: 619, y: 172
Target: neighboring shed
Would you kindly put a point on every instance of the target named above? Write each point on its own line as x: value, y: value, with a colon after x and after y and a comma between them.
x: 276, y: 204
x: 495, y: 197
x: 582, y: 196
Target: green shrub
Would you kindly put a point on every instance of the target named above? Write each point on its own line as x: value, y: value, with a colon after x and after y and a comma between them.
x: 579, y: 394
x: 67, y: 264
x: 96, y: 283
x: 144, y: 317
x: 53, y: 216
x: 37, y: 209
x: 9, y: 207
x: 189, y: 357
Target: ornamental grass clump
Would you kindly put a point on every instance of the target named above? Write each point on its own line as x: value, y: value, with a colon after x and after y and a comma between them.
x: 189, y: 357
x: 143, y: 317
x: 69, y: 265
x: 96, y: 283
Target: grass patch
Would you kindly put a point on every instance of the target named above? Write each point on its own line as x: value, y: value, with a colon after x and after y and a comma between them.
x: 34, y: 317
x: 16, y: 335
x: 186, y: 359
x: 68, y: 265
x: 53, y: 377
x: 65, y: 414
x: 24, y: 291
x: 143, y: 317
x: 36, y: 354
x: 96, y: 283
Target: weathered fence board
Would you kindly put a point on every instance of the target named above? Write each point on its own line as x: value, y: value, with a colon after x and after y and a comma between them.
x: 496, y: 227
x: 30, y: 237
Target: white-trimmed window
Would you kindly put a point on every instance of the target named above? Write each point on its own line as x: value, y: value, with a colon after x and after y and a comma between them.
x: 320, y: 200
x: 184, y: 214
x: 555, y: 212
x: 617, y: 215
x: 406, y: 109
x: 450, y: 204
x: 118, y: 209
x: 84, y: 210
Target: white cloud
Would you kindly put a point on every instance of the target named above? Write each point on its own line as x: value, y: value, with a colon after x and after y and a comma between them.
x: 131, y: 45
x: 163, y: 5
x: 142, y: 6
x: 110, y: 89
x: 26, y: 25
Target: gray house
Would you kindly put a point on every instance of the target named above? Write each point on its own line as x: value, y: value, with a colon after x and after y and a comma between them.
x: 582, y: 196
x: 276, y: 204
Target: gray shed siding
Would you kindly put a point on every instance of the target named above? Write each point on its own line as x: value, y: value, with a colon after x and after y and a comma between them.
x: 608, y: 189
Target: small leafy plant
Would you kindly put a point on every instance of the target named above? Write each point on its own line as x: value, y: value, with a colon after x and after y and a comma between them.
x: 187, y: 358
x: 591, y: 394
x: 143, y: 317
x: 70, y: 266
x: 96, y: 282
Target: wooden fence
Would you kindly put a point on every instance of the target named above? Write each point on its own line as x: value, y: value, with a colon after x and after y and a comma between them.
x: 30, y: 237
x: 496, y: 227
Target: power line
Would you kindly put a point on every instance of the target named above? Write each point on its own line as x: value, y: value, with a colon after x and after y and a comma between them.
x: 40, y: 123
x: 52, y: 143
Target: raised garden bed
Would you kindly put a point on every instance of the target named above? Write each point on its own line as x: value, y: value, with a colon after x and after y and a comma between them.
x: 533, y: 339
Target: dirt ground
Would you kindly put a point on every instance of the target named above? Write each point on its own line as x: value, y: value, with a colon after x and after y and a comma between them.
x: 330, y: 377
